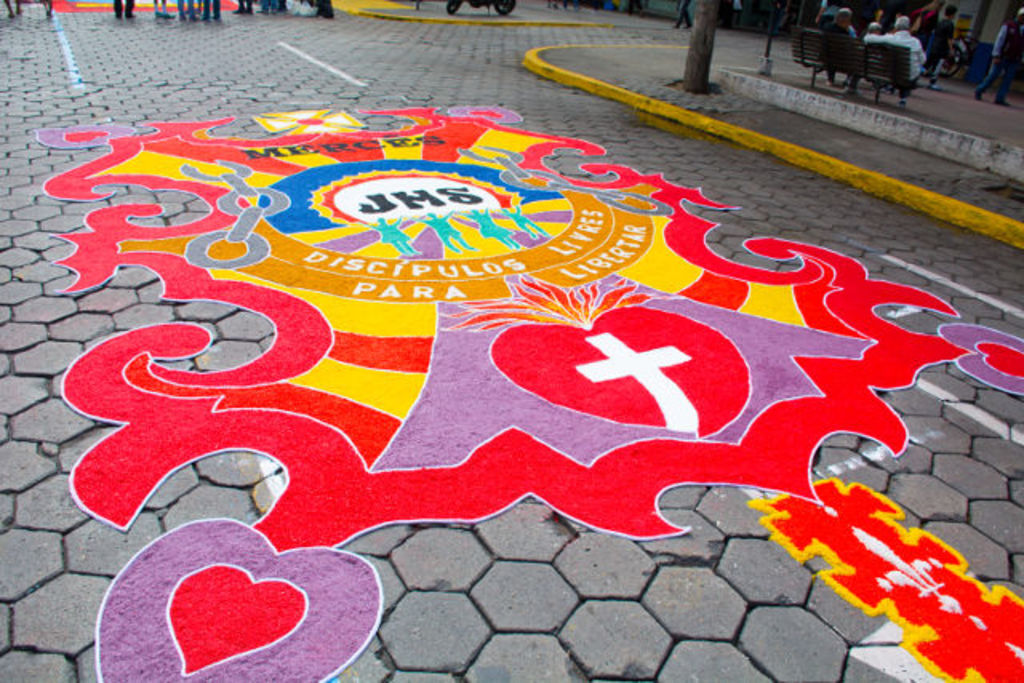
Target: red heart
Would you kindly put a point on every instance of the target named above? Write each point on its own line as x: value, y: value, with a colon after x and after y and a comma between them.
x: 85, y: 135
x: 221, y: 612
x: 548, y: 360
x: 1003, y: 358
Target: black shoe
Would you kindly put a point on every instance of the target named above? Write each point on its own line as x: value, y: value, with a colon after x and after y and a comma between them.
x: 977, y: 95
x: 1003, y: 103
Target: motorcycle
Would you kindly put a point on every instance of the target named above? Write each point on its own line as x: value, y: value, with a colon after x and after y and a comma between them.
x: 961, y: 56
x: 502, y: 7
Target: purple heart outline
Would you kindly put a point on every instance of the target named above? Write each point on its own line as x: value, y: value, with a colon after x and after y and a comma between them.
x: 58, y: 137
x: 134, y: 639
x: 976, y: 364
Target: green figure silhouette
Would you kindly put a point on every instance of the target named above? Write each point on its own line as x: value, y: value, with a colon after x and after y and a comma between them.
x: 449, y: 234
x: 390, y: 234
x: 490, y: 229
x: 524, y: 224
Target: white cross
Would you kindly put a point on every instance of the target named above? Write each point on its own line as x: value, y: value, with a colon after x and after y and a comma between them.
x: 644, y: 367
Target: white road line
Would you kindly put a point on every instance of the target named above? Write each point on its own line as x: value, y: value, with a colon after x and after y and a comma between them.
x: 327, y: 67
x: 979, y: 415
x: 74, y: 75
x: 942, y: 280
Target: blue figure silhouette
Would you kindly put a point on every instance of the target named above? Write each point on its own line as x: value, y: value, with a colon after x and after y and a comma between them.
x: 448, y: 233
x: 390, y: 234
x: 489, y: 229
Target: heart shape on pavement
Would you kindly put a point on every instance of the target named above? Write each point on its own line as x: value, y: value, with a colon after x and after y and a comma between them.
x: 1003, y: 358
x: 222, y: 612
x: 214, y: 601
x: 85, y: 135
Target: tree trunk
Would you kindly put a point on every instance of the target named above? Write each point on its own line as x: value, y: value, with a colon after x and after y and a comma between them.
x: 702, y: 41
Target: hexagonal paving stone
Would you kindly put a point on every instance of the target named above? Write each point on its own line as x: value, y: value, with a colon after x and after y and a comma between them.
x: 39, y: 558
x: 510, y: 657
x: 233, y: 468
x: 692, y: 602
x: 245, y: 326
x: 1001, y: 521
x: 421, y: 677
x: 681, y: 497
x: 49, y: 358
x: 524, y: 596
x: 95, y: 548
x: 51, y: 421
x: 726, y: 507
x: 434, y: 632
x: 13, y: 293
x: 18, y: 336
x: 617, y: 639
x: 528, y: 531
x: 702, y: 544
x: 44, y: 310
x: 1005, y: 456
x: 82, y: 327
x: 59, y: 616
x: 140, y: 315
x: 793, y: 645
x: 706, y: 661
x: 380, y: 542
x: 21, y: 466
x: 204, y: 310
x: 207, y: 501
x: 367, y: 667
x: 850, y: 622
x: 18, y: 393
x: 987, y: 560
x: 85, y: 664
x: 603, y: 566
x: 764, y: 572
x: 31, y: 666
x: 970, y: 477
x: 440, y: 559
x: 390, y: 583
x: 938, y: 435
x: 173, y: 488
x: 928, y: 497
x: 48, y: 505
x: 107, y: 300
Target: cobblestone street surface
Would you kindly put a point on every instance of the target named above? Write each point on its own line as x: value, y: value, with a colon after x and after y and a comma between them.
x: 529, y: 594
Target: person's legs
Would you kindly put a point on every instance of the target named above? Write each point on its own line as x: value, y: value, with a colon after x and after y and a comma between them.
x: 129, y: 6
x: 993, y: 74
x: 118, y: 9
x: 1009, y: 71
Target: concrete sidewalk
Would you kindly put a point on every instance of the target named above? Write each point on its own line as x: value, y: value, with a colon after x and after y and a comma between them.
x: 973, y: 151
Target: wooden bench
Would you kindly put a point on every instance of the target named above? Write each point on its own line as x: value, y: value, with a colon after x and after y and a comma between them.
x: 888, y: 65
x: 880, y: 64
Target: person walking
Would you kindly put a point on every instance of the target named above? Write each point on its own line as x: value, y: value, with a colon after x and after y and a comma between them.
x: 1006, y: 54
x: 683, y: 12
x: 941, y: 47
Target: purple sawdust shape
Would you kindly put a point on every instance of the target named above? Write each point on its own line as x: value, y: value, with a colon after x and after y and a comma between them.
x: 351, y: 243
x: 342, y: 597
x: 445, y: 425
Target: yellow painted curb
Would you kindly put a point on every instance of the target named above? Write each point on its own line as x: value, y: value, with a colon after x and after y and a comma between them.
x: 876, y: 184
